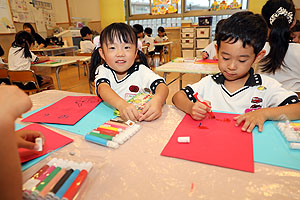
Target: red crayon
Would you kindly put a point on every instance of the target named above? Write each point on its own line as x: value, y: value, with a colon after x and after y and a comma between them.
x: 203, y: 102
x: 107, y: 131
x: 75, y: 185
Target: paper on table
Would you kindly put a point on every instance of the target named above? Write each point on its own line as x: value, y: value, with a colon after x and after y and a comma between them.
x: 68, y: 110
x: 53, y: 141
x: 217, y: 142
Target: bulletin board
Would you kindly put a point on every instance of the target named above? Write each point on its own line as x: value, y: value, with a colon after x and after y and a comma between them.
x: 6, y: 22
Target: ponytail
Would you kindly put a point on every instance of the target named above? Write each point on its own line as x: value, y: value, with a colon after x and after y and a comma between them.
x: 27, y: 53
x: 23, y: 40
x: 279, y: 42
x: 96, y: 60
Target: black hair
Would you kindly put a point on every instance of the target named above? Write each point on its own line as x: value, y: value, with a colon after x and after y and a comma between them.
x: 23, y: 40
x: 138, y: 28
x: 296, y: 28
x: 148, y: 30
x: 279, y: 36
x: 218, y: 27
x: 84, y: 31
x: 96, y: 60
x: 1, y: 51
x: 120, y: 31
x: 250, y: 28
x: 28, y: 25
x: 161, y: 29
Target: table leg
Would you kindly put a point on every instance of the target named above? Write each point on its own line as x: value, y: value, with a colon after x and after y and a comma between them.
x: 57, y: 77
x: 170, y: 56
x: 180, y: 80
x: 165, y: 76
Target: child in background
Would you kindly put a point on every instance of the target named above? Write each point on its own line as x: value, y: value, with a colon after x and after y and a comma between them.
x: 296, y: 32
x: 20, y: 58
x: 14, y: 102
x: 86, y: 44
x: 209, y: 52
x: 139, y: 29
x: 236, y: 88
x: 149, y: 41
x: 161, y: 37
x: 120, y: 78
x: 282, y: 61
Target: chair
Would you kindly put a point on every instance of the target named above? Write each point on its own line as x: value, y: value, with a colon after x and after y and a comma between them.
x: 23, y: 78
x: 4, y: 76
x: 86, y: 64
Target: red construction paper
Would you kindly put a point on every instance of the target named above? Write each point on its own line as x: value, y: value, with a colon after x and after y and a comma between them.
x: 68, y: 110
x: 206, y: 61
x: 216, y: 142
x: 53, y: 141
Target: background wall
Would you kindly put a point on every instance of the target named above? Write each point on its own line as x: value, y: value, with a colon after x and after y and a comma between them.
x: 111, y: 11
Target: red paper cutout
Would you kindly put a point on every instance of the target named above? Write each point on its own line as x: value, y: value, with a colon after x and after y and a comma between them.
x: 222, y: 144
x: 68, y: 110
x: 53, y: 141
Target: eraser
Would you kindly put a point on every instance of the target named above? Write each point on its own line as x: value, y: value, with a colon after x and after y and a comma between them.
x: 184, y: 139
x: 39, y: 141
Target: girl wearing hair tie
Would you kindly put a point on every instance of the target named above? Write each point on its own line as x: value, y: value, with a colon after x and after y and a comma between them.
x: 282, y: 61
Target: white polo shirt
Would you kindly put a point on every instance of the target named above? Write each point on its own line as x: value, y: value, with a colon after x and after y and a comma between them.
x: 161, y: 39
x: 288, y: 76
x: 150, y: 41
x: 138, y: 78
x: 259, y: 91
x: 17, y: 61
x: 86, y: 46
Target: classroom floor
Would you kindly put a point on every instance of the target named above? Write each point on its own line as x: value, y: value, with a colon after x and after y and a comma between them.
x: 70, y: 81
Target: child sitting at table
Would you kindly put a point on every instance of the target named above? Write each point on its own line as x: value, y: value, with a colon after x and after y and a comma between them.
x: 236, y: 88
x: 296, y: 32
x: 20, y: 58
x: 149, y: 41
x: 161, y: 37
x: 86, y: 44
x: 209, y: 52
x: 120, y: 78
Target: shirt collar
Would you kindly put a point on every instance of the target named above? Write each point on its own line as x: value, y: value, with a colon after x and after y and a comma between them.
x: 253, y: 79
x: 133, y: 68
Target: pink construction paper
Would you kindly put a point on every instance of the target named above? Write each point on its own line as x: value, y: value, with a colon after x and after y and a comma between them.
x: 216, y: 142
x: 206, y: 61
x: 53, y: 141
x: 68, y: 110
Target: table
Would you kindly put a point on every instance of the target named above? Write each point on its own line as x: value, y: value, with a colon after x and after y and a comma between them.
x: 165, y: 44
x: 137, y: 171
x: 55, y: 50
x: 186, y: 67
x: 58, y: 61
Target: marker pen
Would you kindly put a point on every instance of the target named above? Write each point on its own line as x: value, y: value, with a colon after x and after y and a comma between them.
x: 101, y: 141
x: 117, y: 123
x: 203, y: 102
x: 62, y: 190
x: 108, y: 124
x: 41, y: 186
x: 110, y: 128
x: 70, y: 193
x: 52, y: 183
x: 107, y: 132
x: 107, y: 137
x: 33, y: 181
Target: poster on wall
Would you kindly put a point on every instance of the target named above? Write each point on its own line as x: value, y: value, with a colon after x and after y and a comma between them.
x: 162, y: 7
x: 21, y: 11
x: 6, y: 22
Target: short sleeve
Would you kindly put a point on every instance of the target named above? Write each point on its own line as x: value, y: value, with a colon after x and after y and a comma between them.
x: 150, y: 79
x: 34, y: 58
x: 101, y: 76
x: 198, y: 87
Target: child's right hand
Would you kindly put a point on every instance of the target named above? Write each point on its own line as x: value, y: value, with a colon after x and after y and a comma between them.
x: 129, y: 112
x: 204, y: 55
x: 199, y: 111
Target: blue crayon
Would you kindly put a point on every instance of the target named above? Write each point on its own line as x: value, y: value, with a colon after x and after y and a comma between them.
x: 60, y: 193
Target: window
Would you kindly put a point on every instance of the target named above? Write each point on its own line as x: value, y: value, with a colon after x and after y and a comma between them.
x: 197, y: 5
x: 139, y: 7
x: 206, y: 4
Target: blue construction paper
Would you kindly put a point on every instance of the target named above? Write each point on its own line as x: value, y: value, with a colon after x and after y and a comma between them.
x: 271, y: 148
x: 18, y: 126
x: 102, y: 113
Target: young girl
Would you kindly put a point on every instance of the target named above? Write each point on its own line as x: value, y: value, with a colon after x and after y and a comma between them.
x: 161, y: 37
x: 282, y: 60
x: 20, y: 58
x: 120, y: 78
x: 296, y: 32
x: 39, y: 39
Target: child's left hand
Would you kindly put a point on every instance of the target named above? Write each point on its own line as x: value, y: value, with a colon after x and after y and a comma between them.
x: 251, y: 119
x: 152, y: 109
x: 26, y: 139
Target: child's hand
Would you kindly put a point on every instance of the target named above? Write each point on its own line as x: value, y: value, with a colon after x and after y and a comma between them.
x: 215, y: 58
x: 199, y: 110
x: 251, y: 119
x: 129, y: 112
x: 26, y: 139
x: 152, y: 109
x: 204, y: 55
